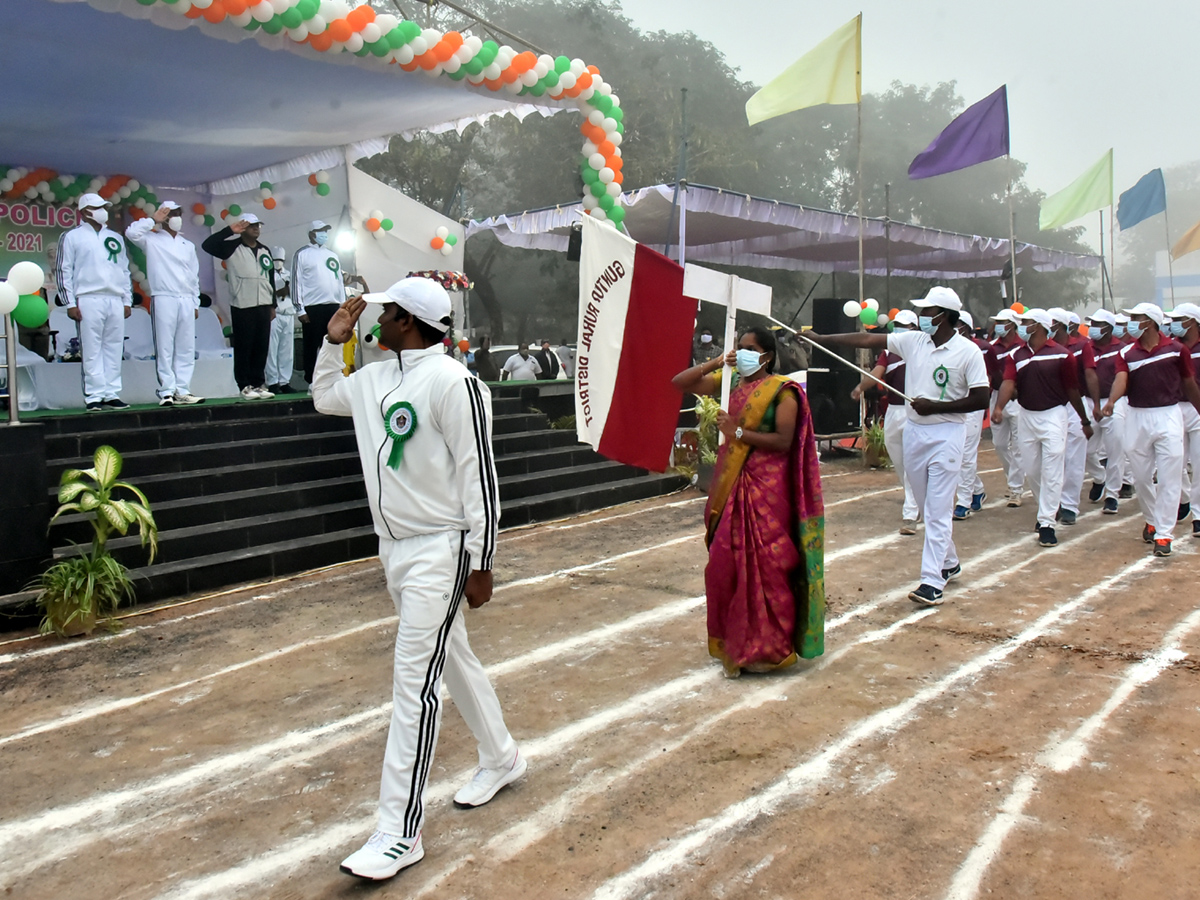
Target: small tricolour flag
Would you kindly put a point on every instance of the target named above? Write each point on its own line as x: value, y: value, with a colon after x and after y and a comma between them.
x: 635, y: 334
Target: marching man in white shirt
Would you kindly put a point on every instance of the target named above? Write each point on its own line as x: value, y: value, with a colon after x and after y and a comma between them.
x: 93, y: 278
x: 423, y: 424
x: 947, y: 378
x: 317, y: 290
x: 174, y: 274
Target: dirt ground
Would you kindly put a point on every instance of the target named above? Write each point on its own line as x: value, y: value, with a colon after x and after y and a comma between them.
x: 1037, y: 736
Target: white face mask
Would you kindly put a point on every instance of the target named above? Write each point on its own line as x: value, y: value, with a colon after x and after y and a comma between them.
x: 99, y: 216
x: 175, y: 223
x: 706, y: 338
x: 279, y: 265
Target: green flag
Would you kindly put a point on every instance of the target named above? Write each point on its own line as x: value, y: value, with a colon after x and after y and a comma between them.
x: 830, y: 72
x: 1089, y: 192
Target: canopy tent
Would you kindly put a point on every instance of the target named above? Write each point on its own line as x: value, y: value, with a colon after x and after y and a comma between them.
x: 161, y: 99
x: 736, y: 229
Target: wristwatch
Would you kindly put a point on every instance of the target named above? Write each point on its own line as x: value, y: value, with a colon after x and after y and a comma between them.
x: 738, y: 433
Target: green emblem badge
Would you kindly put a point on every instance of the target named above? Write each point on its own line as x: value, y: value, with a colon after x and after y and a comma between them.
x: 400, y: 422
x: 332, y: 265
x: 941, y: 377
x: 113, y: 246
x: 266, y: 263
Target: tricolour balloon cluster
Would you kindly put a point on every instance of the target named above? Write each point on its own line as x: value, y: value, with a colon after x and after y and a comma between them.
x: 201, y: 216
x: 19, y: 295
x: 443, y: 241
x: 47, y: 185
x: 320, y: 182
x: 866, y: 312
x: 377, y: 222
x: 336, y: 26
x: 266, y: 195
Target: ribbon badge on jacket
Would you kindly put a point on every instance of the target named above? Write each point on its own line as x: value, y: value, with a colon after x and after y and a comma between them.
x: 332, y: 265
x: 941, y: 377
x: 266, y: 263
x: 113, y: 246
x: 399, y: 423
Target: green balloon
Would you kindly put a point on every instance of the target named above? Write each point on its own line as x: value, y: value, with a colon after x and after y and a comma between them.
x: 616, y: 112
x: 599, y: 189
x: 292, y: 18
x: 266, y: 186
x: 551, y: 79
x: 413, y: 30
x: 209, y: 220
x: 868, y: 316
x: 31, y: 312
x: 395, y: 38
x: 451, y: 239
x: 487, y: 53
x: 380, y: 48
x: 308, y: 8
x: 234, y: 209
x: 606, y: 202
x: 387, y: 224
x: 590, y: 176
x: 273, y: 25
x: 474, y: 67
x: 561, y: 64
x: 323, y: 189
x: 617, y: 215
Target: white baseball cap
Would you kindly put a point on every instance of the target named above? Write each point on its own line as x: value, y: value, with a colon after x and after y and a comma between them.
x: 1151, y: 310
x: 1006, y: 315
x: 250, y: 219
x: 318, y: 225
x: 941, y: 297
x: 965, y: 318
x: 425, y: 299
x: 1073, y: 319
x: 92, y: 201
x: 1102, y: 317
x: 1059, y: 315
x: 1186, y: 311
x: 169, y: 204
x: 278, y: 253
x: 906, y: 317
x: 1041, y: 316
x: 1121, y: 319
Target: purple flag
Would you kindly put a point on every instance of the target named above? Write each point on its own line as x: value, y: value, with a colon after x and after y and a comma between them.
x: 980, y: 133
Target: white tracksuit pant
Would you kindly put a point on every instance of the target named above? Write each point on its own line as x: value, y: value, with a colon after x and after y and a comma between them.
x: 1074, y: 463
x: 969, y: 482
x: 1043, y: 439
x: 1154, y: 439
x: 894, y: 420
x: 102, y: 344
x: 283, y: 348
x: 933, y: 461
x: 426, y: 576
x: 1109, y: 437
x: 1008, y: 448
x: 174, y: 320
x: 1191, y: 448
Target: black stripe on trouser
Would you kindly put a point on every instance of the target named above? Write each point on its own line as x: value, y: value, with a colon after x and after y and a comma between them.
x: 431, y: 701
x: 486, y: 471
x: 154, y: 340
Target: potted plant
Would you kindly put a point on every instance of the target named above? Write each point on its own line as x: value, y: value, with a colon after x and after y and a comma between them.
x: 875, y: 453
x: 77, y: 591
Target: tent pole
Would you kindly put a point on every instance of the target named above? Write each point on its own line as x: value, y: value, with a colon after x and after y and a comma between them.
x: 1012, y: 240
x: 1170, y: 262
x: 680, y: 171
x: 1102, y: 257
x: 683, y: 223
x: 10, y: 349
x: 861, y: 290
x: 887, y: 242
x: 1112, y: 254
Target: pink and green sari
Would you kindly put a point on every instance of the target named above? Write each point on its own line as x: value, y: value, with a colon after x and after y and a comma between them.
x: 765, y: 578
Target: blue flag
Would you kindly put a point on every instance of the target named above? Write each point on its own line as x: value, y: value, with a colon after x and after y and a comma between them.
x: 1145, y: 199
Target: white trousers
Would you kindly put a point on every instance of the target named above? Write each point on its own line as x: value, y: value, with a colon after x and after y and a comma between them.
x: 893, y: 438
x: 426, y: 576
x: 969, y: 482
x: 102, y: 344
x: 1191, y: 448
x: 174, y: 342
x: 1074, y: 463
x: 933, y: 461
x: 282, y: 350
x: 1004, y: 438
x: 1109, y: 437
x: 1154, y: 439
x: 1043, y: 439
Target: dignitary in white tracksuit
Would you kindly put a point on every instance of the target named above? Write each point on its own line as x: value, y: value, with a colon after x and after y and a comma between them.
x: 423, y: 424
x: 1185, y: 328
x: 93, y: 278
x: 1064, y: 333
x: 1155, y: 372
x: 947, y: 378
x: 173, y: 271
x: 317, y: 290
x: 1106, y: 448
x: 282, y: 349
x: 1004, y: 433
x: 1044, y: 377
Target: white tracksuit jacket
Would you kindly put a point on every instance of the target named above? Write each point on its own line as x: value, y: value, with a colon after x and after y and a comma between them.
x: 446, y: 481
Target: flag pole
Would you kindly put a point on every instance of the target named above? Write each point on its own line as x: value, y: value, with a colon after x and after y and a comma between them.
x: 1170, y: 262
x: 861, y: 290
x: 1103, y: 278
x: 1112, y: 253
x: 1012, y: 240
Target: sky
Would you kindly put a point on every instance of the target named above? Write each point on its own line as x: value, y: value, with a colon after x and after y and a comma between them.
x: 1082, y: 77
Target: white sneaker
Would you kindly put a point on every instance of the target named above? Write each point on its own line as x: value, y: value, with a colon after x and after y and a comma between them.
x: 486, y: 782
x: 187, y: 398
x: 249, y: 393
x: 263, y: 393
x: 382, y: 856
x: 1014, y: 499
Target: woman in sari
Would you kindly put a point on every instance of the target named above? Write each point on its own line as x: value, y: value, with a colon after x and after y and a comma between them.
x: 765, y: 575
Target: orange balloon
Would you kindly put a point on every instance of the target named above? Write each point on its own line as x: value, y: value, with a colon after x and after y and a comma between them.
x: 606, y: 148
x: 194, y: 13
x: 322, y: 41
x: 594, y: 70
x: 437, y: 243
x: 198, y: 208
x: 236, y: 7
x: 584, y: 81
x: 269, y: 203
x: 1018, y: 308
x: 338, y: 30
x: 312, y: 179
x: 224, y: 213
x: 893, y: 312
x: 215, y: 14
x: 427, y: 60
x: 453, y: 39
x: 863, y: 304
x: 493, y: 85
x: 464, y: 345
x: 615, y: 163
x: 372, y: 225
x: 443, y: 51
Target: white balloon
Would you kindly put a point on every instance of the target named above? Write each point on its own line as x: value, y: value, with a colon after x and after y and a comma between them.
x: 242, y: 19
x: 514, y: 87
x: 280, y: 6
x: 198, y: 220
x: 595, y: 117
x: 578, y: 66
x: 418, y: 45
x: 528, y: 78
x: 183, y: 7
x: 616, y: 101
x: 322, y: 177
x: 609, y: 125
x: 607, y: 175
x: 443, y: 232
x: 431, y: 36
x: 475, y: 79
x: 540, y: 69
x: 371, y: 33
x: 492, y: 72
x: 872, y: 303
x: 261, y: 11
x: 600, y: 214
x: 447, y: 249
x: 614, y: 189
x: 587, y: 94
x: 316, y: 25
x: 32, y: 193
x: 882, y: 320
x: 9, y: 298
x: 589, y: 147
x: 589, y: 201
x: 355, y: 43
x: 405, y: 54
x: 851, y: 309
x: 202, y: 4
x: 474, y: 43
x: 133, y: 184
x: 566, y: 81
x: 43, y: 186
x: 596, y: 161
x: 605, y: 89
x: 616, y: 137
x: 453, y: 64
x: 6, y: 185
x: 386, y: 22
x: 26, y: 277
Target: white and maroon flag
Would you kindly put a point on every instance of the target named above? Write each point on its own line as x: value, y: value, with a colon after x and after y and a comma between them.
x: 635, y: 334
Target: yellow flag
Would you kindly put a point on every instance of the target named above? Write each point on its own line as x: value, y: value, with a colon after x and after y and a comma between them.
x: 830, y: 72
x: 1189, y: 243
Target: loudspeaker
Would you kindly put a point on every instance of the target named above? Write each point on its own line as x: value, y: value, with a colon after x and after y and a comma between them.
x: 575, y: 243
x: 833, y: 410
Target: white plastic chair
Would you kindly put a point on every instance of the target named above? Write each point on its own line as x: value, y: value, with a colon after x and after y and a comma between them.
x: 139, y: 335
x: 210, y: 340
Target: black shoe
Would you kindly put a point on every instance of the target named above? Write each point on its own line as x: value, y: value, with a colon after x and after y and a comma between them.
x: 1162, y: 548
x: 1096, y: 492
x: 1046, y: 536
x: 1195, y: 528
x: 1110, y: 506
x: 1066, y: 517
x: 1148, y: 534
x: 926, y: 595
x: 951, y: 574
x: 115, y: 404
x: 1126, y: 492
x: 1185, y: 510
x: 95, y: 406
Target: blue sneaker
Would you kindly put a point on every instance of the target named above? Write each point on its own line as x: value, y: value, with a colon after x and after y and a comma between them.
x: 1046, y: 537
x: 1110, y: 506
x: 960, y: 513
x: 951, y: 574
x: 977, y: 501
x: 926, y: 595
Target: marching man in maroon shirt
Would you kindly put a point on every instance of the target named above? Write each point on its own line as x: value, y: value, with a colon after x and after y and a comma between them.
x: 1185, y: 328
x: 1077, y: 445
x: 1156, y: 374
x: 1004, y: 434
x: 1108, y: 443
x: 1045, y: 378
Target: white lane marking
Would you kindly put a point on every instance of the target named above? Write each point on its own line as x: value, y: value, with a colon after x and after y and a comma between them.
x: 813, y: 771
x: 1061, y: 756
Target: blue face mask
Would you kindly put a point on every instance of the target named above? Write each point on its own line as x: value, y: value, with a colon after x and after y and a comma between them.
x: 748, y: 362
x: 1001, y: 330
x: 1177, y: 329
x: 1118, y: 331
x: 925, y: 323
x: 321, y: 237
x: 1134, y: 330
x: 1023, y: 332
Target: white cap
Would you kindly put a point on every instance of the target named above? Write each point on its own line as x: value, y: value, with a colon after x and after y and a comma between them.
x: 1006, y: 315
x: 965, y: 318
x: 1102, y: 317
x: 1040, y: 316
x: 1073, y: 319
x: 1186, y: 311
x: 318, y: 225
x: 92, y: 201
x: 278, y: 253
x: 250, y: 219
x: 941, y: 297
x: 906, y: 317
x: 1059, y: 315
x: 1121, y: 319
x: 169, y: 204
x: 1151, y: 310
x: 425, y: 299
